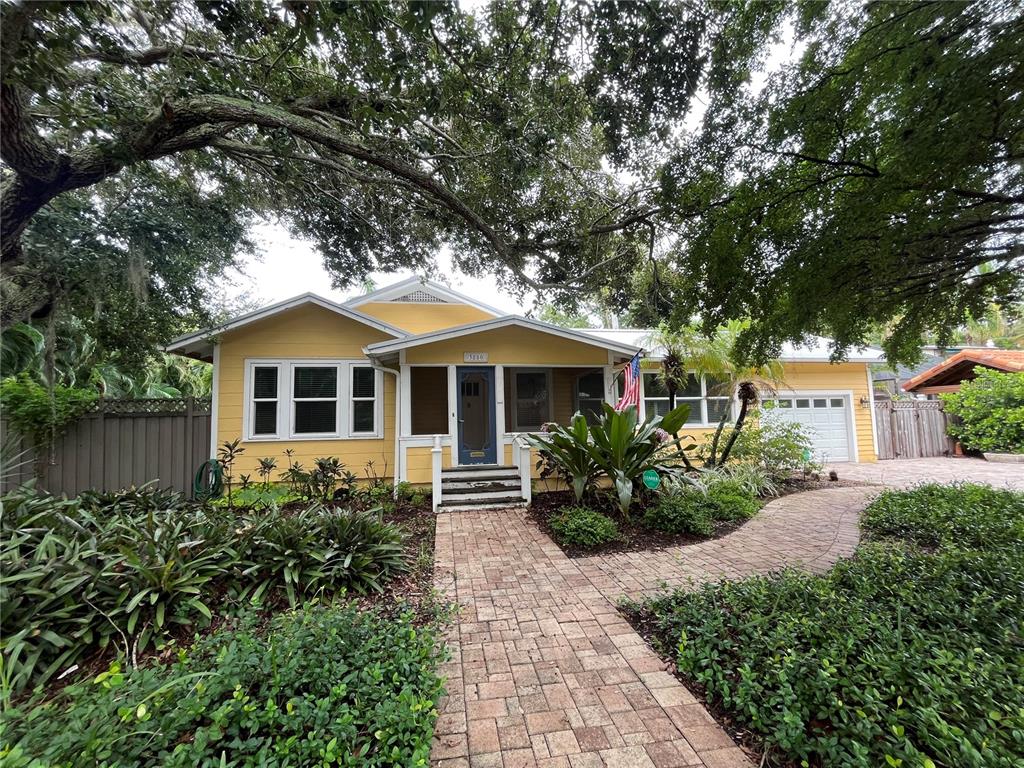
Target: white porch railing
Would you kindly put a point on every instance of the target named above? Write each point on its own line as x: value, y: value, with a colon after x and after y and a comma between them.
x: 521, y: 456
x: 435, y: 473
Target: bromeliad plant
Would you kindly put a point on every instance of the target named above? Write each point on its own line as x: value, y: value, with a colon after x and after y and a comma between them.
x: 618, y: 446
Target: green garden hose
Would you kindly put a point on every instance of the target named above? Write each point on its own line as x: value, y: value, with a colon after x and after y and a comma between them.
x: 208, y: 483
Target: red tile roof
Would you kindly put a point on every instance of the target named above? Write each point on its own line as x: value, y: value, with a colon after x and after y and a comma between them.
x: 1011, y: 360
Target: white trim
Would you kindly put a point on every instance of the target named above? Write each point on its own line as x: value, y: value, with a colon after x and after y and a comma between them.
x: 851, y: 421
x: 385, y: 347
x: 286, y: 402
x: 871, y: 405
x: 214, y: 400
x: 453, y: 413
x: 499, y: 413
x: 200, y: 339
x: 513, y: 372
x: 437, y: 290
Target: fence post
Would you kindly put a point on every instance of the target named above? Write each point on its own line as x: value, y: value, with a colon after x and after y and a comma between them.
x: 435, y: 473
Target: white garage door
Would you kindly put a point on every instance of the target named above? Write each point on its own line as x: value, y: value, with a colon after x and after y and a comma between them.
x: 825, y: 417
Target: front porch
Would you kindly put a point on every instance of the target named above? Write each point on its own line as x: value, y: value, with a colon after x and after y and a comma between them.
x: 457, y: 418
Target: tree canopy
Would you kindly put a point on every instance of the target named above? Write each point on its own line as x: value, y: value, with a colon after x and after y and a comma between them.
x: 876, y: 177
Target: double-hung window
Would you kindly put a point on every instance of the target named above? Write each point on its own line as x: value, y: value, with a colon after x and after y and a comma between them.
x: 707, y: 398
x: 311, y: 399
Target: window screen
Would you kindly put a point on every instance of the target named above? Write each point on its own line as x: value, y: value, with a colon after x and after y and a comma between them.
x: 315, y: 395
x: 531, y: 406
x: 264, y: 400
x: 364, y: 399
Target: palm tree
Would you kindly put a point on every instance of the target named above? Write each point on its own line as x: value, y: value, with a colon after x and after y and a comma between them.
x: 713, y: 358
x: 673, y: 373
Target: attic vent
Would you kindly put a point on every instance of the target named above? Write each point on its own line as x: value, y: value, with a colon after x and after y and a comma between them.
x: 420, y: 297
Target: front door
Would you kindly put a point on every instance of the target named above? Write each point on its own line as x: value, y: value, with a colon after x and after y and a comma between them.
x: 476, y: 415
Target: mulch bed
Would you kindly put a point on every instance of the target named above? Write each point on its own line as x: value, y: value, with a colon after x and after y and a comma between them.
x: 635, y: 536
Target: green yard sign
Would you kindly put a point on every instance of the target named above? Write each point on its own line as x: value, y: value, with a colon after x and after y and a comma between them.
x: 651, y: 479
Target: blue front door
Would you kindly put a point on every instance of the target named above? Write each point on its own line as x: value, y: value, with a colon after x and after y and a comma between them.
x: 477, y: 444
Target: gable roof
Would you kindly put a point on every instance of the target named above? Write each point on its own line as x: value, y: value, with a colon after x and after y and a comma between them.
x: 952, y: 370
x: 817, y: 351
x: 419, y: 290
x: 574, y: 334
x: 200, y: 344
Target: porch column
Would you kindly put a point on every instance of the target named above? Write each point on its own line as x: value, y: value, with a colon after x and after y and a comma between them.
x: 453, y: 413
x: 435, y: 473
x: 499, y: 414
x: 609, y: 385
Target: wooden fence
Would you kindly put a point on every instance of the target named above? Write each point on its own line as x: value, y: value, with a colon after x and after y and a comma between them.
x: 911, y: 429
x: 119, y: 444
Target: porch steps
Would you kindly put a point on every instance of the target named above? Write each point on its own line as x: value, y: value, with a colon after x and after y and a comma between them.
x: 485, y: 486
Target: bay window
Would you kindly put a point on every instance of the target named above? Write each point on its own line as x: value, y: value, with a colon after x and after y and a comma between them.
x: 311, y: 399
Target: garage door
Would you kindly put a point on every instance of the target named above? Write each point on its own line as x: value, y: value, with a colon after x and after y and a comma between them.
x: 825, y: 417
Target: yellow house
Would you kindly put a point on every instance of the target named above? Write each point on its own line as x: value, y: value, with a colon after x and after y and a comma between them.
x: 418, y: 383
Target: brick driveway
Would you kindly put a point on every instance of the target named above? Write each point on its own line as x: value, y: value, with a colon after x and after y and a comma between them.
x: 912, y: 471
x: 544, y: 670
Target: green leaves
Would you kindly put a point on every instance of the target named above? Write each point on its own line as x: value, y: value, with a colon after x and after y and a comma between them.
x: 132, y: 568
x: 907, y: 652
x: 583, y: 527
x: 341, y: 683
x: 989, y: 411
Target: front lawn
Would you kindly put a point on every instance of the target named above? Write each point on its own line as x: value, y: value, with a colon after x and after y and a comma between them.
x: 908, y: 654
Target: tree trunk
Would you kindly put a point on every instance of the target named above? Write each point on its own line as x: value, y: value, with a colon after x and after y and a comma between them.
x: 744, y: 405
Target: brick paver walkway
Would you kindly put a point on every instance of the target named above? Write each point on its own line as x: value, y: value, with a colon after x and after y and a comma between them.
x: 908, y: 472
x: 544, y: 670
x: 809, y: 530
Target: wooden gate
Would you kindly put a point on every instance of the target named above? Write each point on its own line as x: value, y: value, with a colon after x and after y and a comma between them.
x: 911, y: 429
x: 119, y: 444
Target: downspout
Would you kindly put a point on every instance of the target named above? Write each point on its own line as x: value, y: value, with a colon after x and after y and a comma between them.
x: 398, y: 419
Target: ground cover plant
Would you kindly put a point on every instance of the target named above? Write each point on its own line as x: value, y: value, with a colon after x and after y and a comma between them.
x: 583, y: 527
x: 907, y: 654
x: 320, y: 685
x: 127, y: 572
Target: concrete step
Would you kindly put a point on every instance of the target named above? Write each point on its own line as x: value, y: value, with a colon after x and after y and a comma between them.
x: 460, y: 506
x: 469, y: 486
x: 477, y: 500
x: 471, y: 496
x: 480, y: 472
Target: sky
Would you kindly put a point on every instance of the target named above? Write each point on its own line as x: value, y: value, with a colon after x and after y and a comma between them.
x: 289, y: 266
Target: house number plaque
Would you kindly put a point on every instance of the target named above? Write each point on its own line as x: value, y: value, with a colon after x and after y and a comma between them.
x: 474, y: 357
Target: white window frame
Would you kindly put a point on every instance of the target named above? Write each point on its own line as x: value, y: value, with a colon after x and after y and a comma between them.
x: 514, y: 383
x: 293, y: 402
x: 702, y: 400
x: 251, y: 400
x: 286, y: 403
x: 352, y: 399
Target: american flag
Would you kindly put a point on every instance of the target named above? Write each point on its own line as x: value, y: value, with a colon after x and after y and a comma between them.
x: 631, y: 393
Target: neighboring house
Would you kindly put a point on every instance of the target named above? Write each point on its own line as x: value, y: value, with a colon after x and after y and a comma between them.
x: 948, y: 375
x: 433, y: 368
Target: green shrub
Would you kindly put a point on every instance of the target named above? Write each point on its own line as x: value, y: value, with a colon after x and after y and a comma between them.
x: 779, y: 447
x: 685, y: 511
x: 898, y: 656
x: 583, y: 527
x: 965, y: 515
x: 730, y: 500
x: 990, y: 410
x: 753, y: 478
x: 76, y: 575
x: 259, y: 497
x: 320, y: 686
